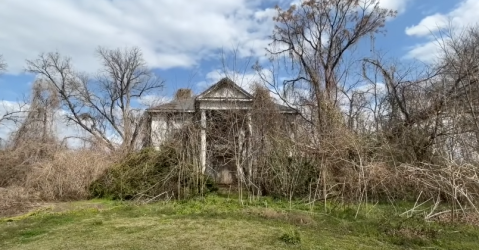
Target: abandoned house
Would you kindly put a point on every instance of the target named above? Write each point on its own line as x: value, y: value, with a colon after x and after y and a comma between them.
x: 222, y: 116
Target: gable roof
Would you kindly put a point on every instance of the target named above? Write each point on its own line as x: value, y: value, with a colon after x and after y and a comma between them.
x: 183, y: 105
x: 224, y: 89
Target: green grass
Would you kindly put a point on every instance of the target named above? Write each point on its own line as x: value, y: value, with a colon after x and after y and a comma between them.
x: 221, y: 223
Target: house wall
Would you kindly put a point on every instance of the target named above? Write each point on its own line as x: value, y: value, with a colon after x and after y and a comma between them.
x: 159, y: 129
x: 164, y: 124
x: 224, y: 105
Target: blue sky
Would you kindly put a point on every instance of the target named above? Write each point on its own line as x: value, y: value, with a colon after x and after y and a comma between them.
x: 183, y: 40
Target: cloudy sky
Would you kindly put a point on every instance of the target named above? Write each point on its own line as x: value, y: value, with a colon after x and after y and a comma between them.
x: 182, y: 39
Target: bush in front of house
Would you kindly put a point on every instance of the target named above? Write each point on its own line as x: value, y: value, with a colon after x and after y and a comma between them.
x: 141, y: 175
x: 149, y: 175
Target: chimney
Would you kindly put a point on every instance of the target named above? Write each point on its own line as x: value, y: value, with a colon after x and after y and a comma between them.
x: 183, y: 94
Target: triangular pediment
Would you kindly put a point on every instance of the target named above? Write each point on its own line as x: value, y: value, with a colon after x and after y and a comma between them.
x: 225, y: 89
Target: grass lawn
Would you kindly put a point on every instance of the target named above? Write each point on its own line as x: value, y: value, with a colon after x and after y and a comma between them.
x: 217, y: 222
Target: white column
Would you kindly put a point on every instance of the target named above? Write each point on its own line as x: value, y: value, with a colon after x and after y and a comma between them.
x: 249, y: 138
x: 203, y: 142
x: 292, y: 134
x: 240, y: 155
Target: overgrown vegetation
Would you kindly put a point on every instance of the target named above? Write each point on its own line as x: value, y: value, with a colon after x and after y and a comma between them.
x: 150, y: 175
x: 63, y: 175
x: 368, y: 131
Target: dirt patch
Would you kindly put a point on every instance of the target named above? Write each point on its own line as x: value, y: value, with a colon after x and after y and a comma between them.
x: 293, y: 217
x: 300, y: 218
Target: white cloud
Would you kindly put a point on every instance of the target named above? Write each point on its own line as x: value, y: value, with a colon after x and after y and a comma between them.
x: 428, y: 25
x: 170, y: 33
x: 462, y: 15
x: 398, y: 5
x: 427, y: 52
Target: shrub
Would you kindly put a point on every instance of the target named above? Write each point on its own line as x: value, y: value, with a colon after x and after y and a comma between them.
x: 16, y: 163
x: 52, y: 172
x: 151, y: 174
x: 67, y: 175
x: 284, y: 176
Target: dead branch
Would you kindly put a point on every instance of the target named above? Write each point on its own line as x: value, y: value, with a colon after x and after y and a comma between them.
x: 3, y: 64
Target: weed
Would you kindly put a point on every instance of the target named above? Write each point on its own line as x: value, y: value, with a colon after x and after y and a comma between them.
x: 292, y: 237
x: 97, y: 223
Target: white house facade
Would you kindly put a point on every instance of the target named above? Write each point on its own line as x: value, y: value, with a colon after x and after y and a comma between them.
x: 225, y: 98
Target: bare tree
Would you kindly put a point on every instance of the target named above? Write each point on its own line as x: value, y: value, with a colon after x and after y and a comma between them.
x: 312, y: 42
x: 9, y: 114
x: 316, y: 37
x: 13, y: 114
x: 102, y: 105
x: 3, y: 64
x: 460, y: 66
x: 413, y: 105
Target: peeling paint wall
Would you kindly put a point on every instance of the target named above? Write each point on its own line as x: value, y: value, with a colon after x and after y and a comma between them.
x: 164, y: 124
x: 159, y: 129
